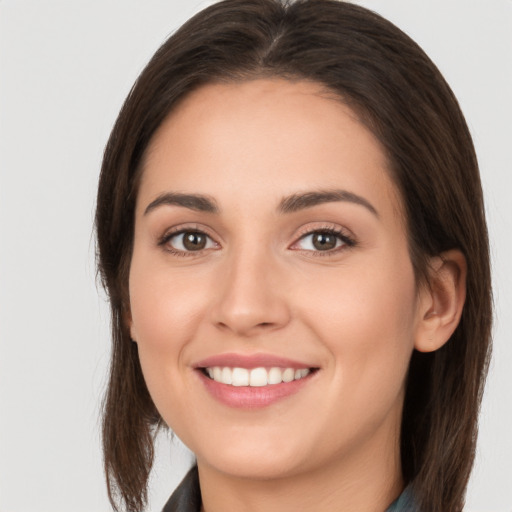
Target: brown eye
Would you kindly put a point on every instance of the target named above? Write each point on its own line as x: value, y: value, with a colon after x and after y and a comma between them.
x: 189, y: 241
x: 324, y: 241
x: 194, y: 241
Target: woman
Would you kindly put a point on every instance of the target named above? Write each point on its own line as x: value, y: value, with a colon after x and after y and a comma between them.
x: 291, y: 231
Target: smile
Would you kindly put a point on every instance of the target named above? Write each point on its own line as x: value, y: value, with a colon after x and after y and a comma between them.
x: 255, y: 377
x: 249, y: 381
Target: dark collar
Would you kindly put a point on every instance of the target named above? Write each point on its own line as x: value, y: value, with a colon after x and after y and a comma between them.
x: 187, y: 497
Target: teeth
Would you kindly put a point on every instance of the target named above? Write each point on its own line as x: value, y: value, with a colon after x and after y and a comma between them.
x: 257, y: 377
x: 275, y: 376
x: 225, y: 375
x: 240, y: 376
x: 288, y: 375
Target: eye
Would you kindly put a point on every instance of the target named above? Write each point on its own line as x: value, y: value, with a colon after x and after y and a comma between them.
x: 188, y: 241
x: 324, y: 240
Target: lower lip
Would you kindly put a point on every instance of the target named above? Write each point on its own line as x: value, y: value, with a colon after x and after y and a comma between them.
x: 249, y: 397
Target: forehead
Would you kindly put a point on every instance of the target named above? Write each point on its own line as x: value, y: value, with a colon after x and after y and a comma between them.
x: 268, y: 137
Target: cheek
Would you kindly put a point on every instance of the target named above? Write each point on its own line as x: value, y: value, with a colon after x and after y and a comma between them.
x: 372, y: 298
x: 165, y: 314
x: 165, y: 311
x: 164, y: 307
x: 366, y: 321
x: 366, y: 317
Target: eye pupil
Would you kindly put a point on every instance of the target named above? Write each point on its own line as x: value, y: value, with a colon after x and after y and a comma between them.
x: 193, y: 241
x: 324, y: 241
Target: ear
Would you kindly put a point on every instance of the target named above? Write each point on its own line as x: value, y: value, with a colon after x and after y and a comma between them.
x: 441, y: 301
x: 128, y: 321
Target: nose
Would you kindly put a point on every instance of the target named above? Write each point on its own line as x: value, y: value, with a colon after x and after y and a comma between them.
x: 252, y: 295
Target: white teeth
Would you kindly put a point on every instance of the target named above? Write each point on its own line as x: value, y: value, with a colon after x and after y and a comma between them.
x: 225, y: 375
x: 240, y: 376
x: 288, y: 375
x: 217, y: 374
x: 275, y: 376
x: 257, y: 377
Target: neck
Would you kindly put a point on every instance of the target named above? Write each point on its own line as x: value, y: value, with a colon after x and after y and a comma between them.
x: 366, y: 481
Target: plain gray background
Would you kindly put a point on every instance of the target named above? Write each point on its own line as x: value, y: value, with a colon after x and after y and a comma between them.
x: 65, y: 68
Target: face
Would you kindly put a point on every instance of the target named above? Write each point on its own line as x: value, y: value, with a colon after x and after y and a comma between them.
x: 272, y: 295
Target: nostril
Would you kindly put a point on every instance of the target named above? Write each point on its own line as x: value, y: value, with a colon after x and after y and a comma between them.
x: 245, y: 315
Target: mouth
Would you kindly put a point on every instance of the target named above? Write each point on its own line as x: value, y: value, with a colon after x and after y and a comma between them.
x: 255, y: 377
x: 253, y: 381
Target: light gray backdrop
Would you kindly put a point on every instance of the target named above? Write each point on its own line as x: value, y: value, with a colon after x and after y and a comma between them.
x: 65, y: 68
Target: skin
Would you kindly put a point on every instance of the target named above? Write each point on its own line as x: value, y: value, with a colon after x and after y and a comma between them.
x: 355, y: 312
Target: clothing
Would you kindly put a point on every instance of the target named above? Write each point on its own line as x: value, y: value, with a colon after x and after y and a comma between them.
x: 187, y: 497
x: 404, y: 503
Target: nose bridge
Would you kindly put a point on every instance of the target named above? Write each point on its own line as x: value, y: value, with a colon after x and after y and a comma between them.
x: 250, y: 299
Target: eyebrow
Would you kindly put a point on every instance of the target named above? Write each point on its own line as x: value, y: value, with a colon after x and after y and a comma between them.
x: 305, y: 200
x: 198, y: 202
x: 289, y: 204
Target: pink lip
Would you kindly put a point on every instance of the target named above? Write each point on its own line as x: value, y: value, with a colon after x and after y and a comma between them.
x: 233, y: 360
x: 247, y: 397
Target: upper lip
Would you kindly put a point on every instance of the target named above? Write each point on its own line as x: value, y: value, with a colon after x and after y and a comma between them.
x: 234, y: 360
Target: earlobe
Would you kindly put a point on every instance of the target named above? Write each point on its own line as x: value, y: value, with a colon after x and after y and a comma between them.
x: 441, y: 301
x: 127, y: 318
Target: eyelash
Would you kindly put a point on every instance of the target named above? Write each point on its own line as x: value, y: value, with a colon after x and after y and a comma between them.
x: 346, y: 240
x: 166, y: 238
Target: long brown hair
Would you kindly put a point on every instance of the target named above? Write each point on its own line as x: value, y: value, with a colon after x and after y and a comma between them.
x: 402, y: 98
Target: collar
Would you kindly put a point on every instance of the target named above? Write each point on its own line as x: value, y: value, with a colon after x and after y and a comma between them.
x: 187, y: 497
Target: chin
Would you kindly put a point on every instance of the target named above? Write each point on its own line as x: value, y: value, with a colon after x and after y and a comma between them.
x: 255, y: 466
x: 252, y: 457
